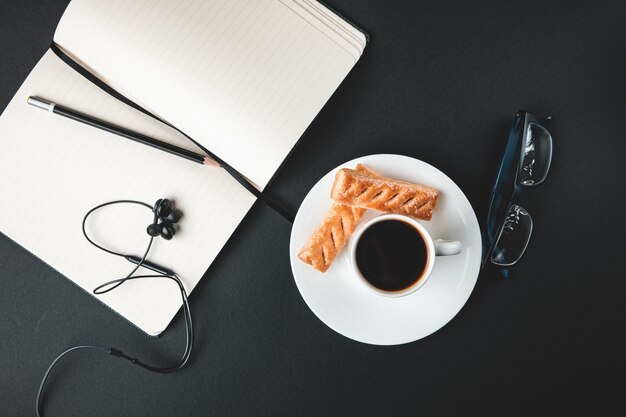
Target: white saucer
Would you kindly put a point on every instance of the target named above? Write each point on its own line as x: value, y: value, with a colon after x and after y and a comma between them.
x: 345, y: 305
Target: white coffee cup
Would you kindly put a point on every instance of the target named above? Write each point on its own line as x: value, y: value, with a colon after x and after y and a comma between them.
x: 434, y: 248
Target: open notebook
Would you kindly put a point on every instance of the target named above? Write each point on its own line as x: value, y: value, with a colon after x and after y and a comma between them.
x: 243, y: 78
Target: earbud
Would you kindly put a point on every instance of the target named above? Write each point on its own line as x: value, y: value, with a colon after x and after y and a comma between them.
x: 167, y: 231
x: 174, y: 216
x: 165, y: 216
x: 162, y: 207
x: 154, y: 230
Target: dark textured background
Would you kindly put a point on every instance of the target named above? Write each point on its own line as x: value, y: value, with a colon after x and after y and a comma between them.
x: 440, y: 81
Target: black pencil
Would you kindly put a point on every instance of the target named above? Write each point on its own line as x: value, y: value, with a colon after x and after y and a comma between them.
x: 120, y: 131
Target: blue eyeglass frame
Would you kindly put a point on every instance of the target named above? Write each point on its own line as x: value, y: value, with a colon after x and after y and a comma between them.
x: 508, y: 178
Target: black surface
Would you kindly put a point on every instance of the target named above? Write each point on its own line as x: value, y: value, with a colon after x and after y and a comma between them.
x: 440, y: 81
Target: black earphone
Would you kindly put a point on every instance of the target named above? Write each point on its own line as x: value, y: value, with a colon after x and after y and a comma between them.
x: 165, y: 217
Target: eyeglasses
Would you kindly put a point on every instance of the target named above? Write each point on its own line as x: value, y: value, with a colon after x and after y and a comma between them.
x: 525, y: 163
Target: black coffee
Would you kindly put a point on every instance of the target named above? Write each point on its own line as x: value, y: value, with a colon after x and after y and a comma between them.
x: 391, y: 255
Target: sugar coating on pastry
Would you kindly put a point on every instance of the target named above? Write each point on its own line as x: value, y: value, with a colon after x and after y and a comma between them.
x: 327, y: 241
x: 332, y: 235
x: 361, y: 189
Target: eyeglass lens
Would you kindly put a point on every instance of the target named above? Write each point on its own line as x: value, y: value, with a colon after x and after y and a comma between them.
x: 514, y: 237
x: 537, y: 155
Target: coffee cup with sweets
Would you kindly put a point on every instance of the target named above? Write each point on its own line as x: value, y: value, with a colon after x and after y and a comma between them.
x: 392, y: 254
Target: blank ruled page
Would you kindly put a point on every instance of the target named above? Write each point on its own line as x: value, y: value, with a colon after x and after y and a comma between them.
x: 244, y: 78
x: 53, y: 170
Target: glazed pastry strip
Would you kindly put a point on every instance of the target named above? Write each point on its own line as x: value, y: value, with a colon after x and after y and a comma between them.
x: 331, y: 236
x: 361, y: 189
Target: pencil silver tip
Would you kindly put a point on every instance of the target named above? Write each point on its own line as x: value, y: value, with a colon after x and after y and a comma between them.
x: 41, y: 103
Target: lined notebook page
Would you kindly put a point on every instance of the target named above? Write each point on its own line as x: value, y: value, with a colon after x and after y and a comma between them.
x: 54, y: 170
x: 244, y: 78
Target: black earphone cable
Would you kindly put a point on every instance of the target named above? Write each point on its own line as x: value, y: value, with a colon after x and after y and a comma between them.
x: 111, y: 285
x: 110, y: 203
x: 52, y: 365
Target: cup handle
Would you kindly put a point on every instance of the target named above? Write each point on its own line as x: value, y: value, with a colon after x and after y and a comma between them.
x: 447, y: 247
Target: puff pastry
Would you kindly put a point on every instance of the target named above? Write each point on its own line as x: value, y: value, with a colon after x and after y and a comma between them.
x: 361, y: 189
x: 331, y: 236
